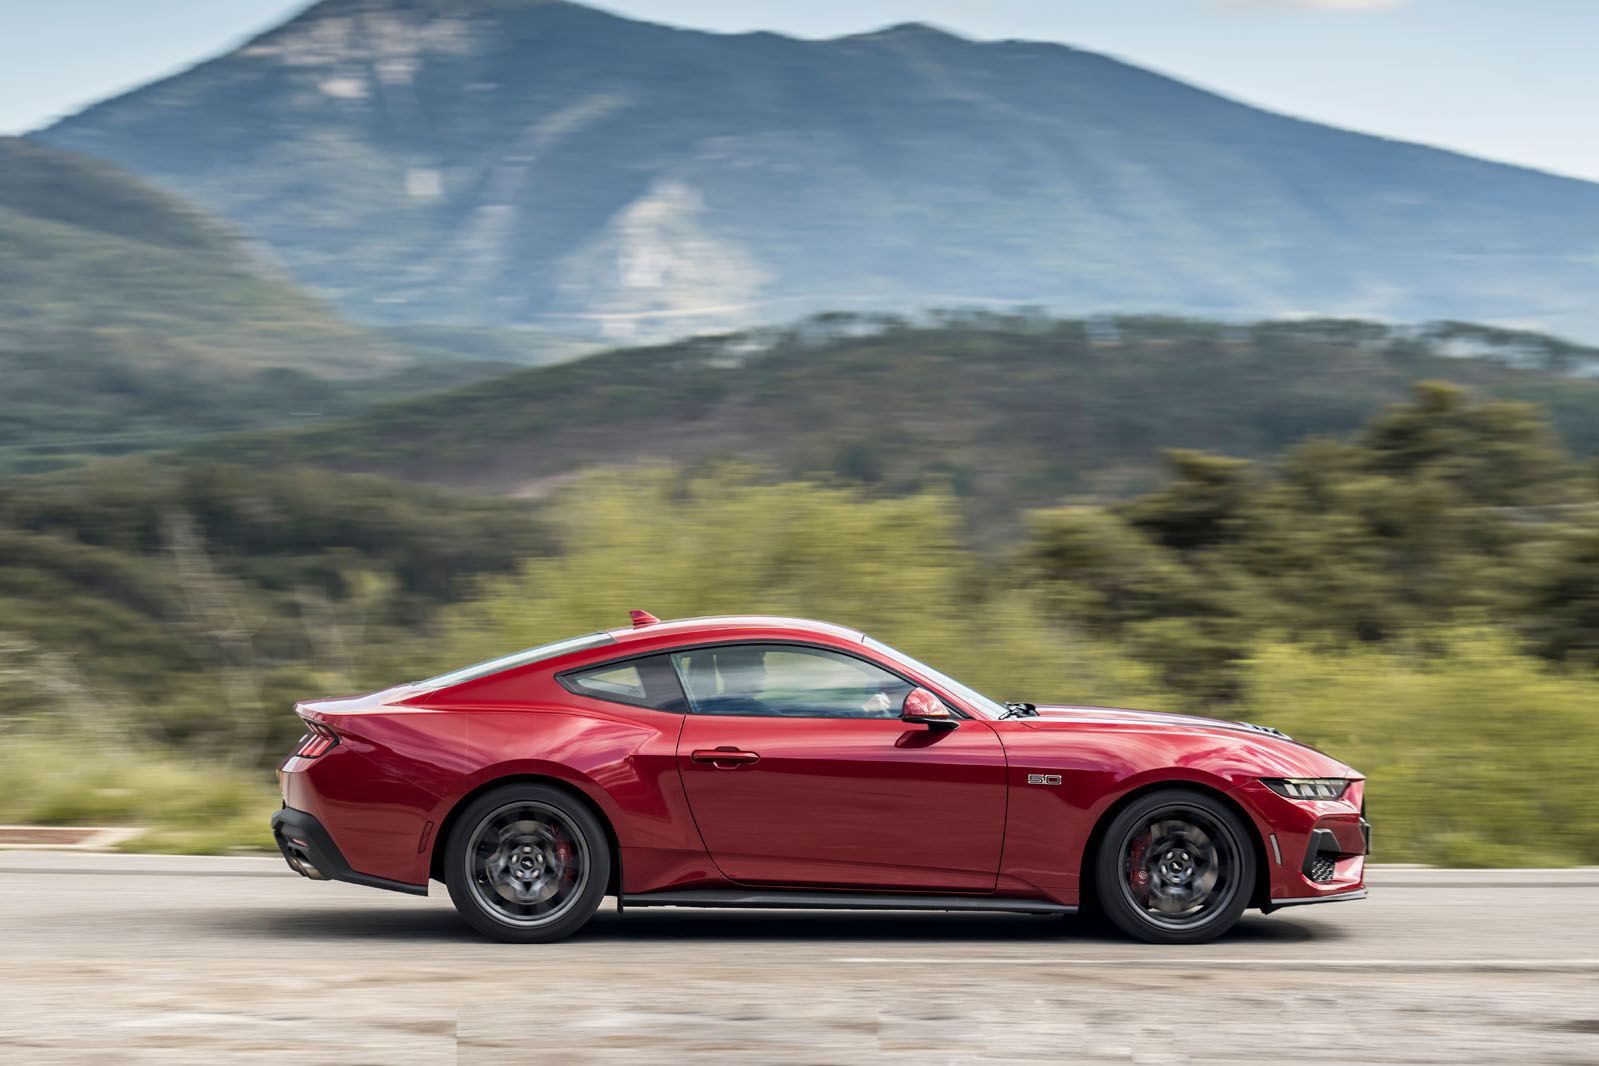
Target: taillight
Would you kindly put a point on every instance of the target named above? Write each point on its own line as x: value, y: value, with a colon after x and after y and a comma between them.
x: 318, y: 740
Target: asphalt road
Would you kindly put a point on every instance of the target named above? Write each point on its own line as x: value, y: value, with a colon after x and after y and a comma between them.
x: 146, y: 959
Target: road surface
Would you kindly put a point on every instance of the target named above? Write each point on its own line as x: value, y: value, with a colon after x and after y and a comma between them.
x: 153, y: 959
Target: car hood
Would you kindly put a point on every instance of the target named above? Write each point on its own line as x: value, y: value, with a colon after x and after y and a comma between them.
x: 1275, y: 751
x: 1152, y: 719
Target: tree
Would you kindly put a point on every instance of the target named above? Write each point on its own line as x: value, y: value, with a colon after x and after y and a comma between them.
x: 1204, y: 505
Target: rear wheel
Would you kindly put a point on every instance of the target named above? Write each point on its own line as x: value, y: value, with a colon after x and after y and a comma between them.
x: 527, y: 863
x: 1175, y: 867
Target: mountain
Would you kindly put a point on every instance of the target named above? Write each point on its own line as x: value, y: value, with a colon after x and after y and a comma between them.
x: 130, y: 319
x: 88, y: 249
x: 494, y: 162
x: 1008, y: 410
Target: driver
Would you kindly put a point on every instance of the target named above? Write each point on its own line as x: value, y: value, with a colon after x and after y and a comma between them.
x: 878, y: 706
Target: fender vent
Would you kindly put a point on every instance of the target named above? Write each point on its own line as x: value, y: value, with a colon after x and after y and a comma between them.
x: 1268, y: 730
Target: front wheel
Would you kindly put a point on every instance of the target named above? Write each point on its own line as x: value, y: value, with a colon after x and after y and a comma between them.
x: 1175, y: 867
x: 527, y: 863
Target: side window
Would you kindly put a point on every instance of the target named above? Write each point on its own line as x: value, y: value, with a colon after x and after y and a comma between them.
x: 612, y: 683
x: 649, y: 682
x: 780, y: 680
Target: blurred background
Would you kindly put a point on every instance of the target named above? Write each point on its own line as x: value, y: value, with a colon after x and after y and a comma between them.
x: 1229, y: 356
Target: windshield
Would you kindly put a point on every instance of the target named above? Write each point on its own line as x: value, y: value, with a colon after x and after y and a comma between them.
x: 970, y: 696
x: 520, y: 658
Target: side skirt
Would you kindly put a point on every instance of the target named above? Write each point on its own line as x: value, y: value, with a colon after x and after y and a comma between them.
x: 852, y: 901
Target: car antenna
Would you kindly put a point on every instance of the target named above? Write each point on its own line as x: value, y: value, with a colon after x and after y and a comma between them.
x: 642, y: 618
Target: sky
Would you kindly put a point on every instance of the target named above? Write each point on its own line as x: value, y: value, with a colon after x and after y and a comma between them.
x: 1511, y: 80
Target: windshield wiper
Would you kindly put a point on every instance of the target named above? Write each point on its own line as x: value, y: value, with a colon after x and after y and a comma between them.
x: 1019, y: 710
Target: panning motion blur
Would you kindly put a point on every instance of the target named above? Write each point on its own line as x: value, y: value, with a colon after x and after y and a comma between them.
x: 778, y: 762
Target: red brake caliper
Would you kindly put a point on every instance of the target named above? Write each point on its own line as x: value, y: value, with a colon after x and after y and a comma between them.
x: 1137, y: 876
x: 563, y: 852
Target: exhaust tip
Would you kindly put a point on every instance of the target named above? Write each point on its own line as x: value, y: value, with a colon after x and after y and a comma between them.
x: 301, y: 864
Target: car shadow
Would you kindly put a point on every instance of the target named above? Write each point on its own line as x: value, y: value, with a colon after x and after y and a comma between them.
x: 333, y: 924
x: 643, y: 925
x: 684, y: 924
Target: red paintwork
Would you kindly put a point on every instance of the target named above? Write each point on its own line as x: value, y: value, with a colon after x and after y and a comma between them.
x: 846, y: 802
x: 842, y: 803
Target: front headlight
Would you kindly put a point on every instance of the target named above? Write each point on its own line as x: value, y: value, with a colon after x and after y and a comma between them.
x: 1307, y: 788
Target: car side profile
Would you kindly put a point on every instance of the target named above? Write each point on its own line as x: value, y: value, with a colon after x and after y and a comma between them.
x: 779, y: 762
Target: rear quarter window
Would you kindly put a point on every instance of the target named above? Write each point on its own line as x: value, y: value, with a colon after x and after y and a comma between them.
x: 612, y: 682
x: 645, y: 682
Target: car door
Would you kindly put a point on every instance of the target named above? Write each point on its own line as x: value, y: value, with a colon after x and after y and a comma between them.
x: 799, y: 771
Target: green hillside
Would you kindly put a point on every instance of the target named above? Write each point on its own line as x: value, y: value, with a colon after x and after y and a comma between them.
x: 157, y: 623
x: 164, y: 585
x: 1417, y: 599
x: 130, y: 320
x: 1009, y: 410
x: 89, y: 251
x: 484, y: 344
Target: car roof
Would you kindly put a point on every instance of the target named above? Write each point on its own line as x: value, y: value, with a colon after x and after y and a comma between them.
x: 732, y: 626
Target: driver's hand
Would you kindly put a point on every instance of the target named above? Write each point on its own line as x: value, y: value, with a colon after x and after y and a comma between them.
x: 877, y: 704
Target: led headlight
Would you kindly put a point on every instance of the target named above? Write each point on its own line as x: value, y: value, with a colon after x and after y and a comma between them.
x: 1307, y: 788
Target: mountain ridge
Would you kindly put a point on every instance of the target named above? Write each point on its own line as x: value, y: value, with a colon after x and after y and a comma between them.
x: 1011, y: 410
x: 554, y: 165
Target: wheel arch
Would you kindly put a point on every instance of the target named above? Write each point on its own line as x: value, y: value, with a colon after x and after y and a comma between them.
x: 441, y: 838
x: 1260, y: 893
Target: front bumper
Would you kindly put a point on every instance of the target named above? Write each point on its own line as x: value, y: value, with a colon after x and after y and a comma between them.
x: 1315, y: 849
x: 309, y: 850
x: 1300, y: 901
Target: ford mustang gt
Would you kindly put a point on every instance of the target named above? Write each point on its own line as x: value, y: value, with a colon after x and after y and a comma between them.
x: 774, y: 762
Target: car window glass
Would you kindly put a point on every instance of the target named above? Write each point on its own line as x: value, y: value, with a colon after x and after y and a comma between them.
x: 612, y: 681
x: 989, y: 707
x: 521, y: 658
x: 648, y: 682
x: 775, y: 680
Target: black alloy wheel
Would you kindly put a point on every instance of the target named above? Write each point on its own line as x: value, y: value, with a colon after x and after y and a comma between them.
x: 527, y: 863
x: 1175, y: 867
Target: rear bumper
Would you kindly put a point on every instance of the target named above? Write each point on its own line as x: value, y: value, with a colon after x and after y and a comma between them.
x: 309, y: 850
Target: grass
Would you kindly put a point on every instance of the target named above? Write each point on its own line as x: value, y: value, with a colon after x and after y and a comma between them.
x: 183, y: 804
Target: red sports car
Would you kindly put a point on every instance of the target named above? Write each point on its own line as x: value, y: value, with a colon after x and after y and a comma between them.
x: 774, y: 762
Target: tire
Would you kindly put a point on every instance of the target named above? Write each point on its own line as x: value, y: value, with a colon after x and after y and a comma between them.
x: 527, y: 864
x: 1176, y: 866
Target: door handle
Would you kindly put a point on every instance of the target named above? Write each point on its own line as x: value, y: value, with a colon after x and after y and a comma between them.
x: 721, y: 755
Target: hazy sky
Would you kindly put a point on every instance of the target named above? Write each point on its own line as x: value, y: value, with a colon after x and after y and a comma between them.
x: 1508, y: 79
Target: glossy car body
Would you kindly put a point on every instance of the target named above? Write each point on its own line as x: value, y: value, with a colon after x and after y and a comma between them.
x: 983, y: 811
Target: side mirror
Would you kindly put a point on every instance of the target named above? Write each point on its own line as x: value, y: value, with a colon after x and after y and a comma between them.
x: 924, y: 707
